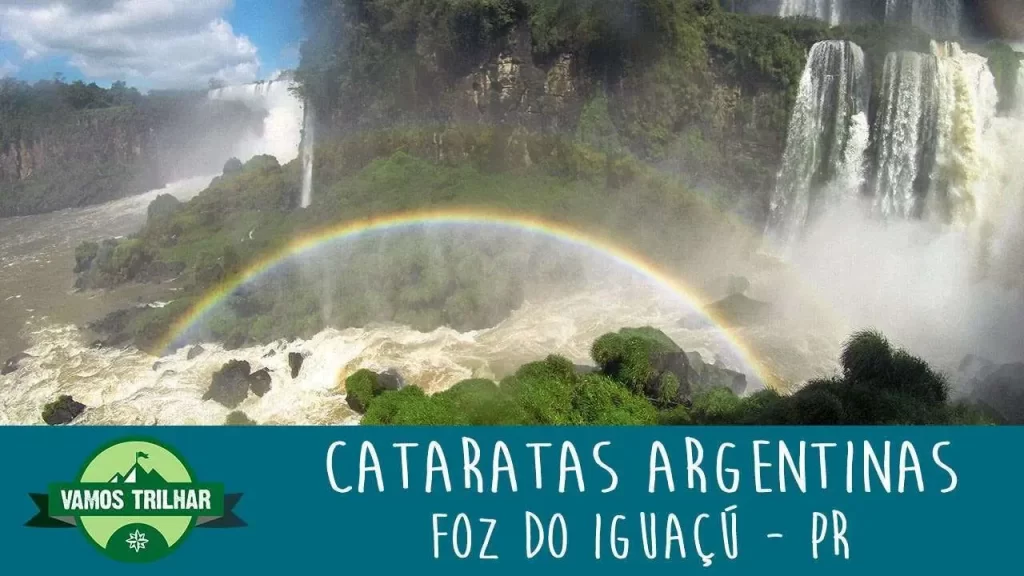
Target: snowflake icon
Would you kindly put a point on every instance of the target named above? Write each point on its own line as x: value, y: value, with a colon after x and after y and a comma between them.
x: 137, y: 541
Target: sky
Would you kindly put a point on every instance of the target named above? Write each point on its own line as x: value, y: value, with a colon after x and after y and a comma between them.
x: 149, y: 43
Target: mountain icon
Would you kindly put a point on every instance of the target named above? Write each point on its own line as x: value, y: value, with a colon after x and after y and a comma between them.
x: 138, y: 475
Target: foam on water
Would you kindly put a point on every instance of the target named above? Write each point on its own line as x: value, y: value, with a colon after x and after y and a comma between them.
x: 125, y: 386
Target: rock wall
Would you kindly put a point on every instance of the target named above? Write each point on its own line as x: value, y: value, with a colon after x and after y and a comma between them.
x: 81, y: 158
x: 78, y: 158
x: 511, y: 88
x: 690, y: 109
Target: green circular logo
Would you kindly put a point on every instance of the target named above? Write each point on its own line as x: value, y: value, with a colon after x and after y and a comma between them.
x: 151, y: 477
x: 136, y: 500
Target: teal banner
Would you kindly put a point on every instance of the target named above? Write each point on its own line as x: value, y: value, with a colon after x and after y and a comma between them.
x: 723, y: 500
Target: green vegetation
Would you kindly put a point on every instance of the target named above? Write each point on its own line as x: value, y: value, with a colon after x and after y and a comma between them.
x: 463, y: 278
x: 648, y: 89
x: 879, y: 385
x: 361, y: 388
x: 681, y: 83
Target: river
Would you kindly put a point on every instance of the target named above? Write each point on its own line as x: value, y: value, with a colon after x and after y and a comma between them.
x: 42, y: 315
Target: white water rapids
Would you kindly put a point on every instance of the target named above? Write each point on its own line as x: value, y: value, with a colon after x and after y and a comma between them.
x: 125, y: 386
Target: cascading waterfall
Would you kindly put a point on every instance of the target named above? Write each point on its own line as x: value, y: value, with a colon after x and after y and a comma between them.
x: 826, y: 142
x: 903, y: 132
x: 941, y: 17
x: 308, y: 142
x: 830, y: 11
x: 967, y: 102
x: 934, y: 112
x: 1000, y: 202
x: 935, y: 16
x: 282, y: 124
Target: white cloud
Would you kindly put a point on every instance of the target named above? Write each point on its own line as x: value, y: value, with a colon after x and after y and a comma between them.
x: 8, y: 68
x: 163, y: 43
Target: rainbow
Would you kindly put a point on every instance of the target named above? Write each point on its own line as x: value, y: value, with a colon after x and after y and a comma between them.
x: 466, y: 216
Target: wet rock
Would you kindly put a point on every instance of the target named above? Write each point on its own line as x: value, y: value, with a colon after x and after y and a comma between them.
x: 114, y: 327
x: 259, y: 382
x: 715, y: 375
x: 728, y: 285
x: 390, y: 379
x: 649, y: 362
x: 270, y: 354
x: 738, y: 310
x: 239, y: 418
x: 157, y: 365
x: 230, y: 384
x: 62, y: 411
x: 97, y: 344
x: 364, y: 385
x: 13, y: 363
x: 194, y: 351
x: 295, y: 360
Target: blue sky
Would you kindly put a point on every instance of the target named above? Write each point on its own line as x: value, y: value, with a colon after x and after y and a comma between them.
x: 149, y: 43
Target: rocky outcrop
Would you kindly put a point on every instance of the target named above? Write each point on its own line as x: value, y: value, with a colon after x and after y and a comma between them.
x: 514, y: 89
x: 78, y: 159
x: 295, y: 360
x: 194, y: 352
x: 14, y: 363
x: 62, y: 411
x: 364, y: 385
x: 55, y: 157
x: 233, y: 382
x: 650, y: 363
x: 230, y: 384
x: 390, y: 379
x: 714, y: 375
x: 112, y: 262
x: 259, y: 382
x: 114, y: 327
x: 239, y: 418
x: 739, y: 310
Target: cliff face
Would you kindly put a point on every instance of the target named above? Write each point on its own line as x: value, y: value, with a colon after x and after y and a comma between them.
x: 83, y: 158
x: 511, y: 88
x: 61, y: 158
x: 673, y: 83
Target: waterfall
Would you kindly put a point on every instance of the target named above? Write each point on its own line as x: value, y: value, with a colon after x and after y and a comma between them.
x: 967, y: 102
x: 941, y: 17
x: 282, y: 124
x: 936, y: 16
x: 903, y: 132
x: 934, y: 113
x: 308, y: 141
x: 830, y: 11
x: 826, y: 142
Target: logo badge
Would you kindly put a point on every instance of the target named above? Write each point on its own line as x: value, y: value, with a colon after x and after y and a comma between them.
x: 136, y: 501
